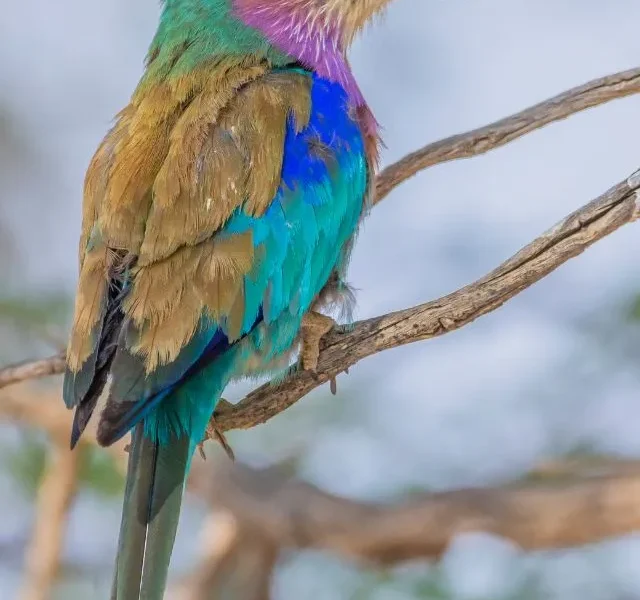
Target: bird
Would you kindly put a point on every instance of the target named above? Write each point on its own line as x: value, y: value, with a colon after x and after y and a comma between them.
x: 219, y: 215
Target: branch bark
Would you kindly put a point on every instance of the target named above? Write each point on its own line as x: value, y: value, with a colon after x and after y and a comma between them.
x: 343, y: 347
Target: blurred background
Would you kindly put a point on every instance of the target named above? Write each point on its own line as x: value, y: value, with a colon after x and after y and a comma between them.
x: 555, y: 372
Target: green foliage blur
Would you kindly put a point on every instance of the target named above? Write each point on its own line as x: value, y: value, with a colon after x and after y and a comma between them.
x: 27, y: 463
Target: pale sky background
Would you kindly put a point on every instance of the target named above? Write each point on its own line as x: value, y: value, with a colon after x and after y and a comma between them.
x: 476, y: 407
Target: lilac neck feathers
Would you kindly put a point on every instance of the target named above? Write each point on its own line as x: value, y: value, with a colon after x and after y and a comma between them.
x: 294, y: 29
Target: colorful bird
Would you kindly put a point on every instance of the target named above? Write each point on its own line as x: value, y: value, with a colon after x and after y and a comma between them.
x: 219, y: 214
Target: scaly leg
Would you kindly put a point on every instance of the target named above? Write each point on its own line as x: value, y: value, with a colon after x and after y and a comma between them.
x: 314, y: 326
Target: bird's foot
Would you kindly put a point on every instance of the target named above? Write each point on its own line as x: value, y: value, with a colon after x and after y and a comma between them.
x: 333, y: 383
x: 213, y: 433
x: 203, y: 454
x: 314, y: 326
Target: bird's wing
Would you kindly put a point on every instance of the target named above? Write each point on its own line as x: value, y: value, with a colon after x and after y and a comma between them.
x: 241, y: 219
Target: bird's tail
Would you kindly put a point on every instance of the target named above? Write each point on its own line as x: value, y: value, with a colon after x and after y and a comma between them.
x: 156, y: 476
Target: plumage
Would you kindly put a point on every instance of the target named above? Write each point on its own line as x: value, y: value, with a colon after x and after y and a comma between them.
x: 218, y: 211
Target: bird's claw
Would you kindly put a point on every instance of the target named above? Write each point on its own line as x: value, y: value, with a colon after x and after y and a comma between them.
x: 201, y: 450
x: 314, y: 326
x: 333, y: 382
x: 214, y: 433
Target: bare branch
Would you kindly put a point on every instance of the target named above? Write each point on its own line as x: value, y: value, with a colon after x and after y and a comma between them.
x: 33, y: 369
x: 55, y: 495
x: 342, y: 348
x: 490, y: 137
x: 465, y: 145
x: 533, y: 515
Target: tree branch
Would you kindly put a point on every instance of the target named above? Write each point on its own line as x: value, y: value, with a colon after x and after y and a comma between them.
x: 343, y: 347
x: 533, y: 515
x: 482, y: 140
x: 32, y: 369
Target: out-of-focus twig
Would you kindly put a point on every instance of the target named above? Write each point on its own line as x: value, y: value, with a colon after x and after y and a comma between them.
x: 568, y: 503
x: 235, y: 562
x: 582, y: 466
x: 33, y: 369
x: 44, y: 410
x: 533, y: 515
x: 55, y: 496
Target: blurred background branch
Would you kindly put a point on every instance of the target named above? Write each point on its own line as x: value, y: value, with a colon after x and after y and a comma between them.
x: 55, y: 495
x: 552, y: 512
x: 32, y: 369
x: 257, y: 514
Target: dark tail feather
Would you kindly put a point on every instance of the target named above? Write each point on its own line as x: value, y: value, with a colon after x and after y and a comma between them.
x: 153, y: 496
